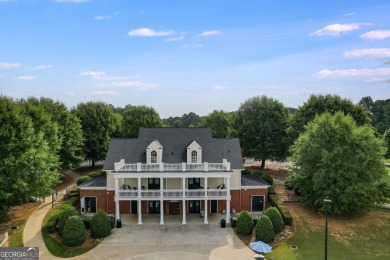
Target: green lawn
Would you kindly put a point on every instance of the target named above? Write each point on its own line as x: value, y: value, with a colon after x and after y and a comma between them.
x: 16, y: 236
x: 363, y: 242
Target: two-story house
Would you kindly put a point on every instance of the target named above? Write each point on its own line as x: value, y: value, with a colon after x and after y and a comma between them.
x: 174, y: 171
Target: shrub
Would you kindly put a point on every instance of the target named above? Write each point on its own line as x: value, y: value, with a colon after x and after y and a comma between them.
x: 271, y: 190
x: 74, y: 232
x: 74, y: 201
x: 289, y: 184
x: 276, y: 219
x: 234, y: 223
x: 51, y: 226
x: 112, y: 222
x: 96, y: 174
x: 87, y: 222
x: 265, y: 230
x: 66, y: 212
x: 286, y: 216
x: 254, y: 221
x: 55, y: 215
x: 246, y: 172
x: 268, y: 178
x: 100, y: 225
x: 83, y: 179
x: 258, y: 173
x: 244, y: 223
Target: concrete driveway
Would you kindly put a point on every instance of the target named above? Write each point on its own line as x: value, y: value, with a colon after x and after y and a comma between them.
x: 170, y: 241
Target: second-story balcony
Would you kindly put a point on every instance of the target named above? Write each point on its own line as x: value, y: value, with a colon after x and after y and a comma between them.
x: 121, y: 166
x: 174, y: 194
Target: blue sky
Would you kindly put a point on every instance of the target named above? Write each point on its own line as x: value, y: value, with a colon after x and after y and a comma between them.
x: 194, y: 56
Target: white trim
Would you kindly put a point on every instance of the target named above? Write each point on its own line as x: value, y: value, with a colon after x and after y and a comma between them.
x: 94, y: 188
x: 258, y: 196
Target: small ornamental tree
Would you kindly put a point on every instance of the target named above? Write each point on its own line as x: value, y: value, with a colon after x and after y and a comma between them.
x: 100, y: 225
x: 244, y: 223
x: 276, y: 219
x: 74, y: 231
x: 265, y: 230
x: 67, y: 211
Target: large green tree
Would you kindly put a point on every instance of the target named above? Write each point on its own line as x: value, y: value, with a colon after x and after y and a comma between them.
x: 337, y: 159
x: 139, y: 116
x: 319, y: 104
x: 98, y: 124
x: 261, y: 124
x: 379, y: 111
x: 219, y: 122
x: 27, y: 163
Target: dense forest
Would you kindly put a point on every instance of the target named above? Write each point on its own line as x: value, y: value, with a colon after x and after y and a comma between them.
x: 41, y: 137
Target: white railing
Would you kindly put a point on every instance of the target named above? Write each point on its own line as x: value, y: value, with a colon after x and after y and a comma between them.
x: 214, y: 193
x: 171, y: 167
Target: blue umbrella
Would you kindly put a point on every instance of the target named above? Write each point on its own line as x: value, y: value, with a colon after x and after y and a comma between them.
x: 260, y: 246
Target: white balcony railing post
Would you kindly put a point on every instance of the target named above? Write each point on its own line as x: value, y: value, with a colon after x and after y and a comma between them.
x: 206, y: 166
x: 139, y: 167
x: 183, y: 166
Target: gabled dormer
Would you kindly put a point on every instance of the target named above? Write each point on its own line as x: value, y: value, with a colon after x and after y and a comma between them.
x: 154, y: 152
x: 194, y: 153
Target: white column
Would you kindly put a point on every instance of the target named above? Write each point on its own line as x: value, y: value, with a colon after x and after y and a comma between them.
x: 117, y: 212
x: 184, y: 201
x: 161, y: 201
x: 139, y: 212
x: 205, y: 201
x: 139, y: 202
x: 228, y: 200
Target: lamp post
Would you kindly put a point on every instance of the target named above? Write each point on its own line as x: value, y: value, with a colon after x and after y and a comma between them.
x: 326, y: 202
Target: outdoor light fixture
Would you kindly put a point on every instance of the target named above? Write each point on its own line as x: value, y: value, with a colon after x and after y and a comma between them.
x: 326, y: 202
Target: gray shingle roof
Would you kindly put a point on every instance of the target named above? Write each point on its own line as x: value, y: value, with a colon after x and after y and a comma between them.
x: 100, y: 181
x: 252, y: 180
x: 175, y: 142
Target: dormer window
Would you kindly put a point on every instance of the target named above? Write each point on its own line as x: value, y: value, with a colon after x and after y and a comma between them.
x: 153, y: 157
x: 194, y: 157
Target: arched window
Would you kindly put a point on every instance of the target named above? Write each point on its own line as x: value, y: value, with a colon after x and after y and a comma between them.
x: 194, y: 157
x: 153, y: 157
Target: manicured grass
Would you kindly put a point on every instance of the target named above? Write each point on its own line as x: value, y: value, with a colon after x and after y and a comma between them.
x: 362, y: 242
x: 58, y: 249
x: 16, y: 236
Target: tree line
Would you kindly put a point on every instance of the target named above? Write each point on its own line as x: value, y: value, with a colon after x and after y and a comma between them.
x: 41, y: 137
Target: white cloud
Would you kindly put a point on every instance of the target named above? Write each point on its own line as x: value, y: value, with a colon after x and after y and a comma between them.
x: 375, y: 35
x: 139, y: 85
x: 71, y: 1
x: 41, y: 67
x: 105, y: 17
x: 70, y: 93
x: 374, y: 53
x: 99, y: 75
x: 175, y: 39
x: 210, y: 33
x: 349, y: 14
x: 219, y: 87
x: 146, y: 32
x: 191, y: 46
x: 29, y: 77
x: 105, y: 93
x: 9, y: 65
x: 337, y: 29
x: 353, y: 73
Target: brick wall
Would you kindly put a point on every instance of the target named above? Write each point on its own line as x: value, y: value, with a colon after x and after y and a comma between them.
x: 246, y: 197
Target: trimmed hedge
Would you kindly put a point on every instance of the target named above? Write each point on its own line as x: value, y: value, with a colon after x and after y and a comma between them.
x: 271, y: 190
x: 100, y: 224
x: 276, y: 219
x: 258, y: 172
x: 73, y: 201
x: 74, y: 232
x: 66, y: 212
x: 51, y: 226
x: 246, y: 172
x: 265, y: 230
x: 96, y: 174
x: 244, y: 223
x: 83, y: 179
x: 276, y: 202
x: 268, y: 178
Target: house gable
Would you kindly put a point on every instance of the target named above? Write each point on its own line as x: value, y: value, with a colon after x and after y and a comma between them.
x: 194, y: 153
x: 154, y: 152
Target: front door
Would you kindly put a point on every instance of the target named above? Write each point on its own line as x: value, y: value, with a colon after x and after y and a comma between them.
x: 174, y: 208
x: 193, y: 183
x: 214, y: 206
x: 153, y: 183
x: 194, y: 206
x: 134, y: 207
x: 154, y: 207
x: 257, y: 203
